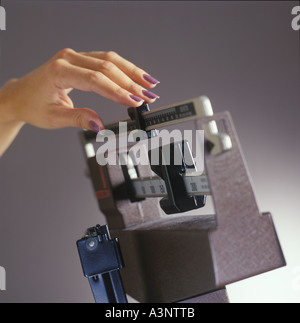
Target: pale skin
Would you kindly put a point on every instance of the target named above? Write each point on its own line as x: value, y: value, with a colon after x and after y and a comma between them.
x: 41, y: 98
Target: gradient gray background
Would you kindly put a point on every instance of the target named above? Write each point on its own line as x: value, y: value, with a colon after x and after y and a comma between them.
x: 243, y: 55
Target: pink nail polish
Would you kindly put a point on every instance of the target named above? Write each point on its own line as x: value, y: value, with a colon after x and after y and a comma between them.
x: 135, y: 98
x: 94, y: 126
x: 150, y: 79
x: 150, y: 95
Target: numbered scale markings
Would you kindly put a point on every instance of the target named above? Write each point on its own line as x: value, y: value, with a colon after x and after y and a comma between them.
x: 155, y: 186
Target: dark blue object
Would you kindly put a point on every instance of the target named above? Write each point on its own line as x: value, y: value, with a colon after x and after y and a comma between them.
x: 101, y: 260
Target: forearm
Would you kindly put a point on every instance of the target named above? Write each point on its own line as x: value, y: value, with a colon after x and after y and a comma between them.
x: 8, y: 133
x: 9, y: 125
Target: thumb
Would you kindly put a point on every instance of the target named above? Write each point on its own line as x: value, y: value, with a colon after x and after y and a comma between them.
x: 83, y: 118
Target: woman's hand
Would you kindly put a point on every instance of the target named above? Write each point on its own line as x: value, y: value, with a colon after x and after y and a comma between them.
x: 41, y: 97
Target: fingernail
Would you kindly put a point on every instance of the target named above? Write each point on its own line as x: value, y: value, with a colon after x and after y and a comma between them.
x: 150, y: 79
x: 94, y: 126
x: 150, y: 95
x: 135, y: 98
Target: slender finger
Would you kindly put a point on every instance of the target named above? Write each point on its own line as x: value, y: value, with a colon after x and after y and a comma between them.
x: 135, y: 73
x: 110, y: 70
x: 66, y: 75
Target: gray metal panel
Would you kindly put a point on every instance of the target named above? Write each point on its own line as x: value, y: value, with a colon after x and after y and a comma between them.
x: 245, y: 242
x: 166, y: 265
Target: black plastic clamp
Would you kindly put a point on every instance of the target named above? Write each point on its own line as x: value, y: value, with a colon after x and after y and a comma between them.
x: 135, y: 114
x: 101, y: 260
x: 172, y: 172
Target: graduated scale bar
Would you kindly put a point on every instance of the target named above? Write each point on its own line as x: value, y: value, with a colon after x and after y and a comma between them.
x: 196, y: 185
x: 162, y: 117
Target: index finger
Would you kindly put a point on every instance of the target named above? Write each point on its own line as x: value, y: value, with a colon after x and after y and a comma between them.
x: 137, y: 74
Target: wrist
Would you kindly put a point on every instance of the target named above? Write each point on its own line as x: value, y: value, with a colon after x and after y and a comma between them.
x: 8, y: 116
